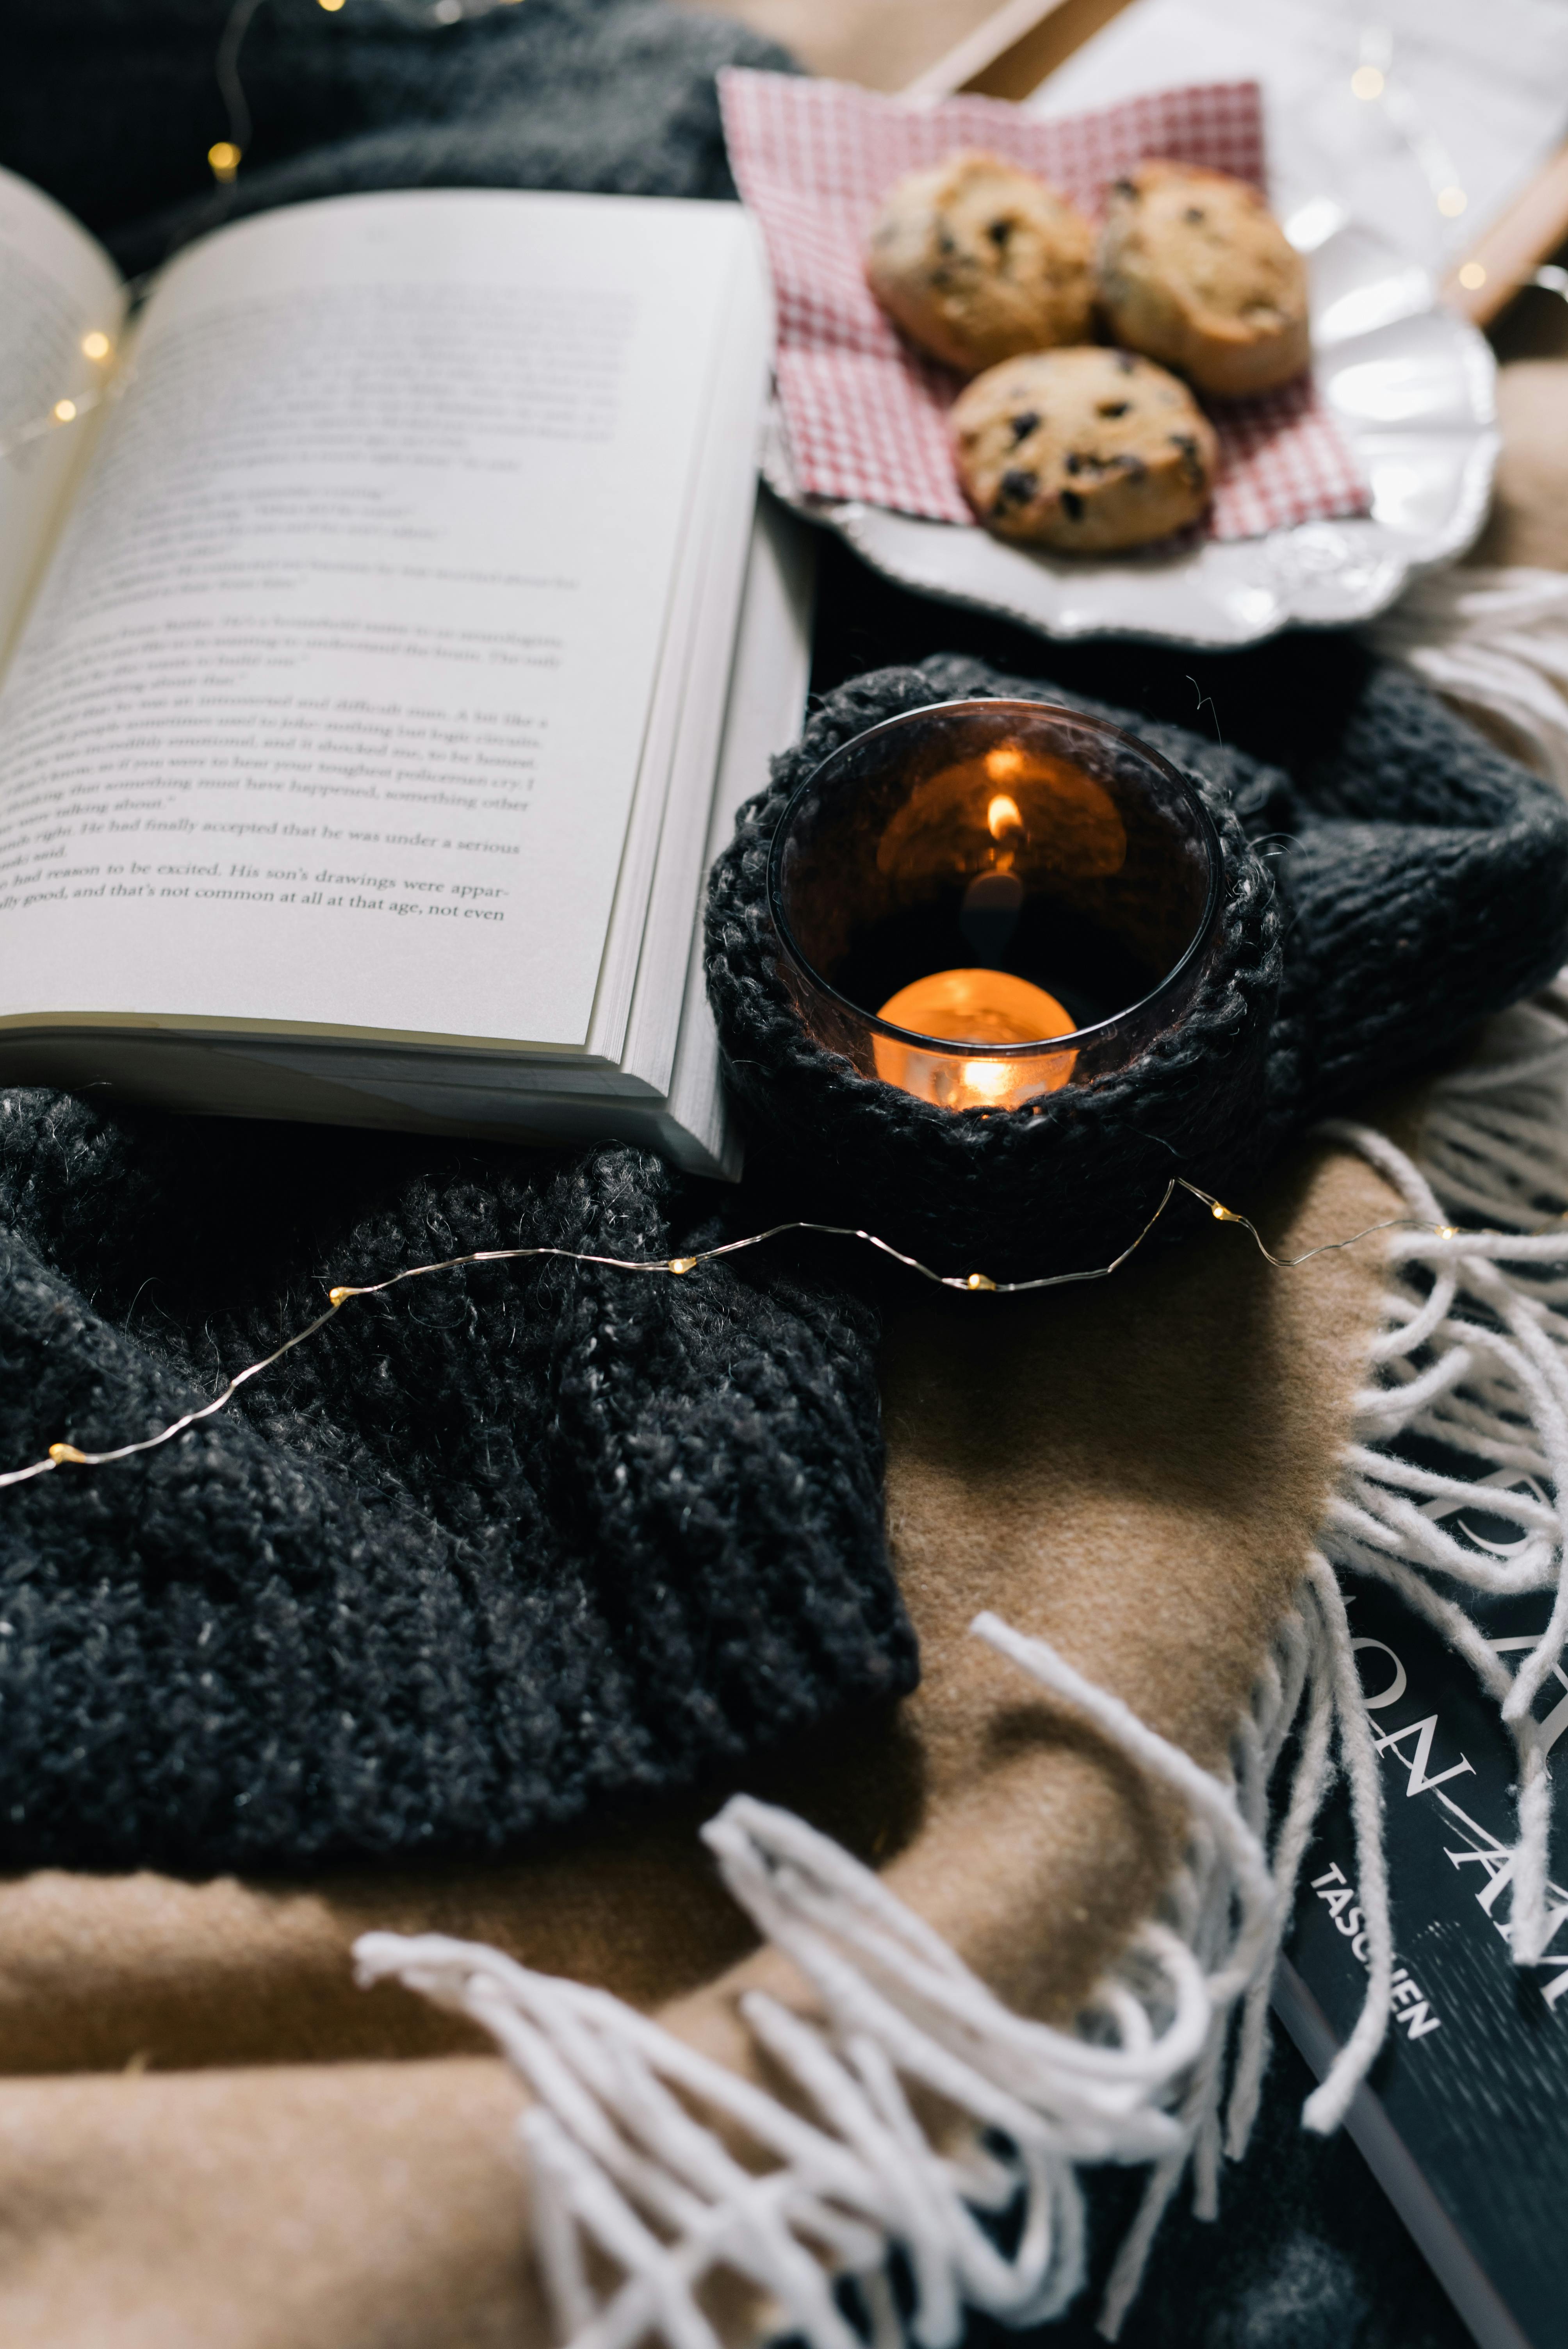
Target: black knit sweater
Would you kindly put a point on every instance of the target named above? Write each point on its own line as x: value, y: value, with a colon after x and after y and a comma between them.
x: 484, y: 1553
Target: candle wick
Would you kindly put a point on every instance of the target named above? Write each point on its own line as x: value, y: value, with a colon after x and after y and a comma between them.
x: 988, y: 915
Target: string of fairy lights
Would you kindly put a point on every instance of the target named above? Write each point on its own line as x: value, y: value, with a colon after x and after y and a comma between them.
x: 1376, y: 83
x: 61, y: 1454
x: 226, y: 155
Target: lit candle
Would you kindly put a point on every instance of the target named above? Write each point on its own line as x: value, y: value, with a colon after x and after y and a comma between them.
x: 973, y: 1007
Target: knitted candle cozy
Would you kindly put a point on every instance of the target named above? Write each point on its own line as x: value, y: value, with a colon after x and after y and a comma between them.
x: 1407, y: 880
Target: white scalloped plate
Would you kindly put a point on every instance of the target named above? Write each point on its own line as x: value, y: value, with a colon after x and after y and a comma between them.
x: 1411, y: 387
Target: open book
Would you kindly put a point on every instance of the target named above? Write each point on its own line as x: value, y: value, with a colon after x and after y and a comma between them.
x: 371, y: 608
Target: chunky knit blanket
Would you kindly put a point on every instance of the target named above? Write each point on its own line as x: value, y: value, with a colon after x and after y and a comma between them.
x: 489, y: 1552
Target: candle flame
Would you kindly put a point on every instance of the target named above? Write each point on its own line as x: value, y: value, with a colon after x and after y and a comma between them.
x: 1007, y: 763
x: 1002, y: 815
x: 991, y: 1079
x: 973, y: 1007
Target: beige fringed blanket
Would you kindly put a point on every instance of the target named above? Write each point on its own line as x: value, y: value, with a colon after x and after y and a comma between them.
x: 252, y: 2151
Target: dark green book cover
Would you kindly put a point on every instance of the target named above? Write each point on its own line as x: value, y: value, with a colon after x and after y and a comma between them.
x: 1464, y: 2118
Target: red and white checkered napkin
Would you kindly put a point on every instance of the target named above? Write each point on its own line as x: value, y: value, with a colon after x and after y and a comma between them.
x: 866, y: 416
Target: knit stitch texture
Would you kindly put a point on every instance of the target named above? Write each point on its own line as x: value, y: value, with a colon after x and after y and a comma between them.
x: 1404, y: 881
x: 488, y: 1551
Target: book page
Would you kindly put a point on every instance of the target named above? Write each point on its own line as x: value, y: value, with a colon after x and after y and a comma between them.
x: 60, y: 310
x: 329, y: 711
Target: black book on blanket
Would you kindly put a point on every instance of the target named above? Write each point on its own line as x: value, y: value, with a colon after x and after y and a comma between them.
x: 1464, y: 2119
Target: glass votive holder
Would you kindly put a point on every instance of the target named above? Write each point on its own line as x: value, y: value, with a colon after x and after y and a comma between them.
x: 984, y: 902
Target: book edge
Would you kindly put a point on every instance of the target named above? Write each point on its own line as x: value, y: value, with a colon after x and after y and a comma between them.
x: 1474, y: 2296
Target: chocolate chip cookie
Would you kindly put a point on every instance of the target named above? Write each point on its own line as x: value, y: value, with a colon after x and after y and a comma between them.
x: 1085, y: 450
x: 1195, y: 270
x: 978, y: 259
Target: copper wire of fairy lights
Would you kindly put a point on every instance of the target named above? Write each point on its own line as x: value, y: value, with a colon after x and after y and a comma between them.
x: 1374, y: 82
x: 226, y: 155
x: 62, y: 1454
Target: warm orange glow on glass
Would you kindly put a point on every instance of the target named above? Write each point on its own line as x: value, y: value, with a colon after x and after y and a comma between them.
x: 973, y: 1007
x: 951, y: 818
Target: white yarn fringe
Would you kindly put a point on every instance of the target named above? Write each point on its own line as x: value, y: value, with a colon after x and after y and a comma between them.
x: 654, y: 2167
x: 629, y: 2171
x: 1165, y: 2066
x: 1475, y: 1351
x: 1474, y: 1356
